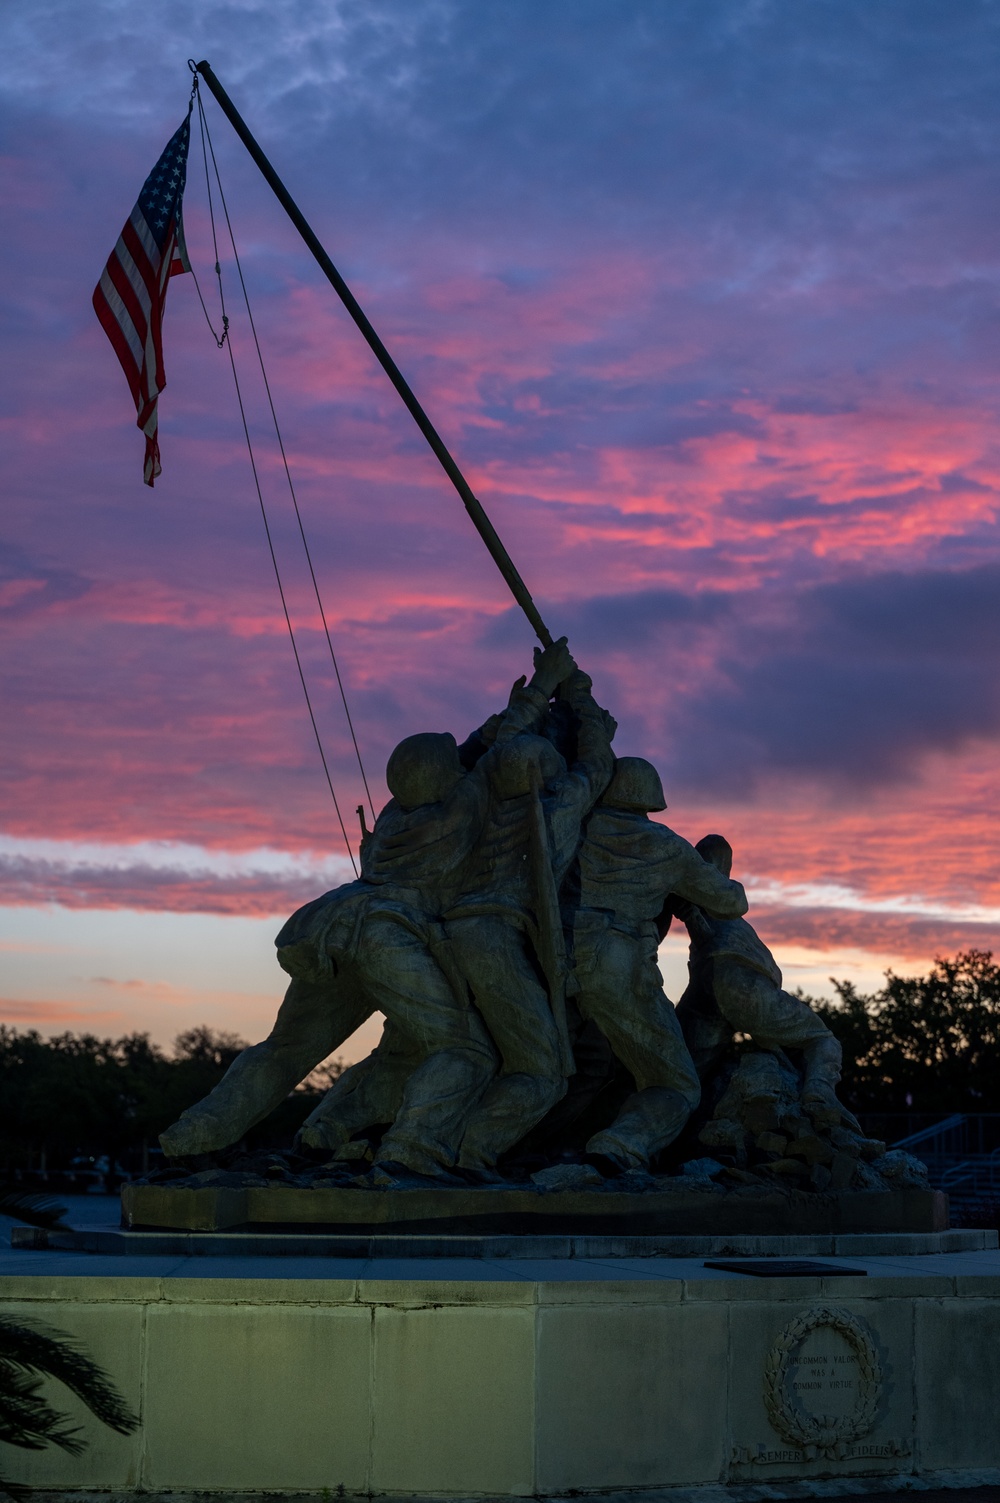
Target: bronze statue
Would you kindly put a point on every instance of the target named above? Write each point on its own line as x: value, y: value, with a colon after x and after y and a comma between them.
x: 371, y: 944
x: 629, y: 865
x: 508, y: 906
x: 735, y: 987
x: 505, y: 931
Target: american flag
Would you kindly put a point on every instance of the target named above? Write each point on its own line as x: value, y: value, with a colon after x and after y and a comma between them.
x: 131, y: 294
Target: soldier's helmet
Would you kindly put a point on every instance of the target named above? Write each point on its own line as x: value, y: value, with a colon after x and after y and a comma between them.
x: 635, y: 785
x: 423, y: 768
x: 523, y: 763
x: 717, y: 850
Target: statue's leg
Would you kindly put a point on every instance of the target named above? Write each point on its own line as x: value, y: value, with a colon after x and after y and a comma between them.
x: 491, y: 953
x: 457, y: 1058
x: 776, y: 1020
x: 366, y: 1095
x: 707, y: 1033
x: 595, y: 1071
x: 339, y: 1114
x: 622, y: 991
x: 313, y: 1020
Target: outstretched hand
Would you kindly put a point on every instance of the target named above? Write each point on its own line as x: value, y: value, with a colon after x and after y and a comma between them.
x: 577, y: 691
x: 578, y: 684
x: 553, y: 665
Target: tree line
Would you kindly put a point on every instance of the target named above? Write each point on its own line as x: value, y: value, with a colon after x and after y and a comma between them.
x: 927, y: 1044
x: 78, y: 1096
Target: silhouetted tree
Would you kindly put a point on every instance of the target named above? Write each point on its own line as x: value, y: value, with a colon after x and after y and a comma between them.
x: 77, y: 1094
x: 928, y: 1043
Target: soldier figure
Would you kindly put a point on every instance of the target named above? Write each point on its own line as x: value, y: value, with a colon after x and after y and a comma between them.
x: 628, y: 867
x: 505, y: 932
x: 735, y: 987
x: 368, y: 945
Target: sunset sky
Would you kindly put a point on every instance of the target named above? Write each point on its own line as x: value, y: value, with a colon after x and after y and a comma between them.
x: 704, y: 298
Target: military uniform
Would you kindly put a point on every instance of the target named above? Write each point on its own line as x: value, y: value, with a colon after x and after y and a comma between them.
x: 370, y: 946
x: 505, y: 935
x: 628, y: 866
x: 735, y: 987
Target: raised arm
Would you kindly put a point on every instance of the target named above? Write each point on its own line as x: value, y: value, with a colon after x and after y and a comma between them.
x: 528, y: 702
x: 526, y: 706
x: 700, y: 882
x: 591, y: 772
x: 595, y: 731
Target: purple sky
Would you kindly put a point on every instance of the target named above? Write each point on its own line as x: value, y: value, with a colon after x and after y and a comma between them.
x: 705, y: 300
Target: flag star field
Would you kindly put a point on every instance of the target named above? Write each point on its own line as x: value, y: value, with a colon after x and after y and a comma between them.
x: 705, y: 300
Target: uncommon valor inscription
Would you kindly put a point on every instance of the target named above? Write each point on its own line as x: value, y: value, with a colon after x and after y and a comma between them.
x: 823, y: 1383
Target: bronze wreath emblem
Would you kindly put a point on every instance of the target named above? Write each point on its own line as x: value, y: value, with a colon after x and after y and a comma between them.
x: 824, y: 1435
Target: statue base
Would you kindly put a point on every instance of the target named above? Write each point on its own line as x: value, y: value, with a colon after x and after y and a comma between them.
x: 626, y: 1382
x: 700, y: 1211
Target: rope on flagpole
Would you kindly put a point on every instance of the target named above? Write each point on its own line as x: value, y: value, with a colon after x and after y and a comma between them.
x: 196, y: 96
x: 207, y: 136
x: 227, y: 341
x: 284, y: 607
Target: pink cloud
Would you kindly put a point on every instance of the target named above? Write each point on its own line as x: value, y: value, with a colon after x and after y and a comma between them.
x: 45, y: 1014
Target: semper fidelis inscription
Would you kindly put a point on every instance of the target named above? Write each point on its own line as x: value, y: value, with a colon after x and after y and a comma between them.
x: 823, y: 1385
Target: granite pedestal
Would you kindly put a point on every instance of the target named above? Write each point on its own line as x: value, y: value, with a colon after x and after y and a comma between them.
x: 696, y: 1210
x: 529, y: 1376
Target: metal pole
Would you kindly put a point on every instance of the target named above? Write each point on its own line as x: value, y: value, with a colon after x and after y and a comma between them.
x: 480, y: 520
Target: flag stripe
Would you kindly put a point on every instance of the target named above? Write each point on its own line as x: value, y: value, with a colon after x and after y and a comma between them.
x: 146, y: 270
x: 124, y: 259
x: 131, y: 310
x: 123, y: 319
x: 152, y: 252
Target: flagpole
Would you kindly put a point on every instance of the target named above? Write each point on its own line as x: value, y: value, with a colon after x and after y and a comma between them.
x: 480, y: 520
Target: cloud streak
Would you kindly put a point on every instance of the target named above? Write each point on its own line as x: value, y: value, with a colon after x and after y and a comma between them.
x: 163, y: 876
x: 268, y: 883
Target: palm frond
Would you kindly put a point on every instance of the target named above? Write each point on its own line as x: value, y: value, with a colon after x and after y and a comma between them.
x: 26, y: 1420
x: 34, y: 1348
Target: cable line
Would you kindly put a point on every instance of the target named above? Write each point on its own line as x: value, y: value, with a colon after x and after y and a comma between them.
x: 206, y: 135
x: 260, y: 497
x: 284, y: 607
x: 215, y: 244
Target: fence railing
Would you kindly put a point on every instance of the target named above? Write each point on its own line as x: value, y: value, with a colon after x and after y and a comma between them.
x: 961, y: 1151
x: 975, y: 1178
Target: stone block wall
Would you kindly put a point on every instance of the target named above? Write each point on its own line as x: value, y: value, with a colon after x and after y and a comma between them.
x: 344, y: 1387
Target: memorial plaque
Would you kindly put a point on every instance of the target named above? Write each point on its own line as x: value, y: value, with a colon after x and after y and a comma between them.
x: 786, y: 1268
x: 822, y: 1391
x: 825, y: 1377
x: 823, y: 1382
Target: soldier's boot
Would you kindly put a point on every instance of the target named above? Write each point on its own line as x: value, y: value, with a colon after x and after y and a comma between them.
x: 253, y: 1085
x: 822, y: 1058
x: 437, y: 1102
x: 197, y: 1132
x: 648, y: 1121
x: 510, y: 1108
